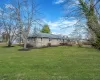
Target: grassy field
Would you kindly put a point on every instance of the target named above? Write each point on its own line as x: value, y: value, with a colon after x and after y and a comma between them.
x: 55, y: 63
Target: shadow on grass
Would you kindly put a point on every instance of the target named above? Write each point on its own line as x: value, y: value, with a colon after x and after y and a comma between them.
x: 28, y: 49
x: 7, y: 46
x: 24, y: 49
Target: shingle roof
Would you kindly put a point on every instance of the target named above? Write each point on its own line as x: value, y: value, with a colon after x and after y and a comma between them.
x: 45, y: 35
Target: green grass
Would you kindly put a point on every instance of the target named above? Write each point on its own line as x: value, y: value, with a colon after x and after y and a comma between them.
x: 55, y: 63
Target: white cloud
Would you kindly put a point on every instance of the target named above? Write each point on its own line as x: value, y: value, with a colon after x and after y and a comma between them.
x: 77, y: 2
x: 1, y: 9
x: 59, y: 1
x: 61, y: 26
x: 0, y: 13
x: 9, y: 6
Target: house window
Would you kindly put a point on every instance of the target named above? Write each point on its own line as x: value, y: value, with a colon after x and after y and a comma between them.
x: 33, y: 39
x: 41, y: 39
x: 49, y: 39
x: 63, y: 40
x: 28, y: 40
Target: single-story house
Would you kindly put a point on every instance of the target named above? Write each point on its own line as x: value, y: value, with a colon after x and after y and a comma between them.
x: 1, y: 38
x: 44, y: 39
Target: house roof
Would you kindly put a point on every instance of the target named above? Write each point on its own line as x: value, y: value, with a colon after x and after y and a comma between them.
x: 46, y: 35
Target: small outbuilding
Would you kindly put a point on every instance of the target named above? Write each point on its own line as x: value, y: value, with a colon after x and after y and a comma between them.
x: 43, y: 39
x: 1, y: 38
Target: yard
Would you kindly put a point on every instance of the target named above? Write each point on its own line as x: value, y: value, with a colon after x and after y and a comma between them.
x: 55, y: 63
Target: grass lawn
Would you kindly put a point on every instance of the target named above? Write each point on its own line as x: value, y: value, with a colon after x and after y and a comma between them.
x: 55, y: 63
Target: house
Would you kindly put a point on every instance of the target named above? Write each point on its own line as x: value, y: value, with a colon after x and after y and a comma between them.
x: 44, y: 39
x: 1, y: 38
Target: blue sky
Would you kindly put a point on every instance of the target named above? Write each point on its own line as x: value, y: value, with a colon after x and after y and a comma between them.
x: 52, y: 13
x: 50, y: 9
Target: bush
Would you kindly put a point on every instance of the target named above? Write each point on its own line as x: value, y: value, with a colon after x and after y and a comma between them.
x: 29, y: 46
x: 97, y: 44
x: 86, y: 43
x: 65, y: 44
x: 49, y: 44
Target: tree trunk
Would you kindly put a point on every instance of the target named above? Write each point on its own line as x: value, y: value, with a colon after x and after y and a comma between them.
x: 20, y: 41
x: 95, y: 27
x: 9, y: 43
x: 25, y: 44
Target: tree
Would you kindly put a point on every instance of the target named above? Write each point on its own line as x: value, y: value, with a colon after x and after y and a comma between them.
x: 76, y: 35
x: 86, y: 10
x: 9, y: 24
x: 18, y: 20
x: 45, y: 29
x: 5, y: 36
x: 26, y: 16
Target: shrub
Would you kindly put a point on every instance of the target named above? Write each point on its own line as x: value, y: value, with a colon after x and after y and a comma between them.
x: 29, y: 46
x: 97, y: 44
x: 65, y: 44
x: 49, y: 45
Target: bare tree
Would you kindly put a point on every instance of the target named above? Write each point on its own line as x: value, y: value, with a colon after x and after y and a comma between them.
x: 77, y: 34
x: 8, y: 21
x: 26, y: 13
x: 88, y: 11
x: 1, y: 21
